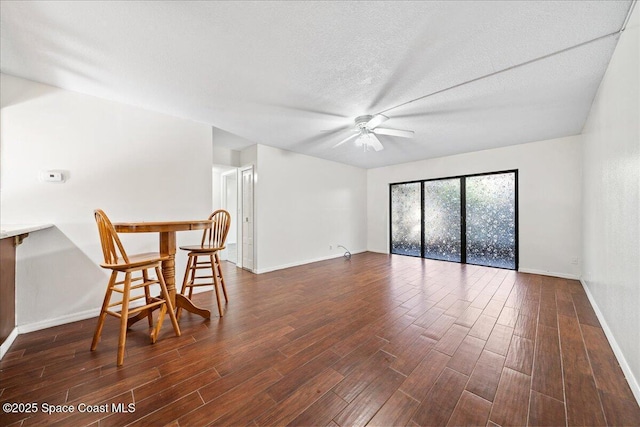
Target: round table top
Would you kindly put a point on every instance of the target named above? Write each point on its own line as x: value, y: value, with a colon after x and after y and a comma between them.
x: 162, y: 226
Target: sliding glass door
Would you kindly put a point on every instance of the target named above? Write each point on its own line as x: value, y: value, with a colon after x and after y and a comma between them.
x: 469, y: 219
x: 405, y: 219
x: 491, y: 220
x: 442, y: 220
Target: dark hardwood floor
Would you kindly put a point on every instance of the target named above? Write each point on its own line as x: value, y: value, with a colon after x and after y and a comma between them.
x: 376, y: 340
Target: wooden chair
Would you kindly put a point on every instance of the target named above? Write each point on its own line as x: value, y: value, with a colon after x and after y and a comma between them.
x: 212, y: 243
x: 116, y: 260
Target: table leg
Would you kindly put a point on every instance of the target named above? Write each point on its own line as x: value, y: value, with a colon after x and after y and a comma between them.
x: 169, y: 273
x: 168, y: 247
x: 186, y: 304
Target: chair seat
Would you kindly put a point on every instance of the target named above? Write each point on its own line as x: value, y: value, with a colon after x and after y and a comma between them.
x: 138, y: 260
x: 202, y: 249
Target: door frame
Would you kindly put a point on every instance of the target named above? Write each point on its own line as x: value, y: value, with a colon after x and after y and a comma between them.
x: 223, y: 197
x: 240, y: 263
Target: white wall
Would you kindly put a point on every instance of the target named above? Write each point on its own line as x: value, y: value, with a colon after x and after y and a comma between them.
x: 229, y: 141
x: 611, y: 205
x: 305, y: 204
x: 549, y: 198
x: 217, y: 200
x: 249, y: 156
x: 225, y: 156
x: 134, y: 164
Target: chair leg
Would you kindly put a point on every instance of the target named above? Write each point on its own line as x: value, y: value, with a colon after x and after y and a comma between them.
x: 124, y: 314
x: 156, y: 331
x: 191, y: 292
x: 185, y: 283
x: 215, y: 284
x: 103, y: 311
x: 147, y: 295
x: 219, y: 268
x: 169, y: 305
x: 185, y: 280
x: 192, y: 273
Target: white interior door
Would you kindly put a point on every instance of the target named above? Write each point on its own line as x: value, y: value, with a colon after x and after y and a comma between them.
x: 247, y: 219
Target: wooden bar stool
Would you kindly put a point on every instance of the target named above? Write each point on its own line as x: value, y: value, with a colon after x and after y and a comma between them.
x: 116, y: 260
x: 212, y: 243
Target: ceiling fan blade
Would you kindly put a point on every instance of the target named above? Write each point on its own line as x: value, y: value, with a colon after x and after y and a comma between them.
x: 376, y: 121
x: 345, y: 140
x: 395, y: 132
x: 336, y: 130
x: 374, y: 142
x: 321, y: 135
x: 304, y: 110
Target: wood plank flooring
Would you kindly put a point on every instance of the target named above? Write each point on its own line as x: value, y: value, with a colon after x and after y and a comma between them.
x: 375, y: 340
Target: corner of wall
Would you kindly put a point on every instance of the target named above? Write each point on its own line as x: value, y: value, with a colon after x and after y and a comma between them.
x: 622, y: 361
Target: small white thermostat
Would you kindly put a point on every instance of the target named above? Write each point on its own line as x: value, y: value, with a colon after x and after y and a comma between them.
x: 52, y: 176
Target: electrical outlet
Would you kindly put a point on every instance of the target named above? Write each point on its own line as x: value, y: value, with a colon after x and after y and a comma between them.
x: 330, y: 247
x: 574, y: 260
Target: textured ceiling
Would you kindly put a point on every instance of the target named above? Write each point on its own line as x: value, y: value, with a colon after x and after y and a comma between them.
x: 284, y: 73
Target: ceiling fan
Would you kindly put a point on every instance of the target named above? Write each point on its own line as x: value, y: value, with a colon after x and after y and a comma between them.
x: 366, y: 128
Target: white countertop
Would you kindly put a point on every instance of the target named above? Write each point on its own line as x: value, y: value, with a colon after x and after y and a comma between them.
x: 10, y: 230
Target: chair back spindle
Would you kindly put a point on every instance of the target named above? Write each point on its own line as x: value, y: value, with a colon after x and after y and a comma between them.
x: 112, y: 248
x: 216, y: 236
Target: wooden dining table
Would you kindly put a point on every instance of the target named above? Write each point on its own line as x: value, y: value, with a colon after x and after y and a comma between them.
x: 167, y: 240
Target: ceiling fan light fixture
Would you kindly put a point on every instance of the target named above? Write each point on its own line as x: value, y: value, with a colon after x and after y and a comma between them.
x: 368, y: 140
x: 363, y: 138
x: 366, y: 128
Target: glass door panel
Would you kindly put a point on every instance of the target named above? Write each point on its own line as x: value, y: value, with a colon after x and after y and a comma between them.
x: 491, y: 220
x: 442, y: 238
x: 405, y: 219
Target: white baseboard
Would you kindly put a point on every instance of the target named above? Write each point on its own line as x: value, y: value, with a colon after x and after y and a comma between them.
x: 4, y: 348
x: 308, y: 261
x: 549, y: 273
x: 525, y: 270
x: 626, y: 369
x: 62, y: 320
x: 57, y: 321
